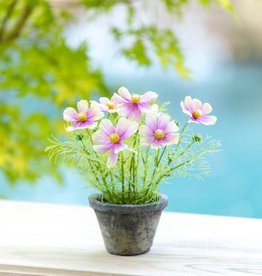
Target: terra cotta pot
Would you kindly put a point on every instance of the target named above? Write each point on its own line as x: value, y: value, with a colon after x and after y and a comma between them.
x: 128, y: 229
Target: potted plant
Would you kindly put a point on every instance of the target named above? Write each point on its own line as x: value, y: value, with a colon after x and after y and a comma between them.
x: 125, y: 147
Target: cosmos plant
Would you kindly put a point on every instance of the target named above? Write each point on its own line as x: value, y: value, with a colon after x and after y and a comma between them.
x: 127, y: 146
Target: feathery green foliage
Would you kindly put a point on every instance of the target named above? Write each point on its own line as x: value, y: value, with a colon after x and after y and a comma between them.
x: 136, y: 177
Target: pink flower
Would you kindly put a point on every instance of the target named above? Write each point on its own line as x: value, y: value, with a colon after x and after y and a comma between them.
x: 198, y: 111
x: 132, y: 106
x: 106, y: 104
x: 159, y: 131
x: 85, y: 117
x: 110, y: 139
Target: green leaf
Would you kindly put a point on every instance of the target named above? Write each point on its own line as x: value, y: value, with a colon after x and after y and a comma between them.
x: 138, y: 53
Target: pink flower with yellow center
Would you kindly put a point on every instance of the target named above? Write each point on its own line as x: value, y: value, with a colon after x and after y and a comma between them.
x: 159, y: 131
x: 132, y: 106
x: 198, y: 111
x: 85, y: 117
x: 111, y: 139
x: 106, y: 104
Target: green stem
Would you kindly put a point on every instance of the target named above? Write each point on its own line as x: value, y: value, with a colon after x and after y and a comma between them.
x: 180, y: 165
x: 172, y: 169
x: 156, y: 159
x: 130, y: 183
x: 154, y: 172
x: 161, y: 155
x: 182, y: 133
x: 138, y: 160
x: 97, y: 167
x: 112, y: 185
x: 129, y: 191
x: 130, y: 174
x: 133, y: 165
x: 89, y: 161
x: 122, y: 177
x: 179, y: 141
x: 145, y: 165
x: 89, y: 136
x: 156, y: 165
x: 185, y: 150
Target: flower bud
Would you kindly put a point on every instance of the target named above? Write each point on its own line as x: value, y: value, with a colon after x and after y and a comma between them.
x: 196, y: 138
x: 79, y: 137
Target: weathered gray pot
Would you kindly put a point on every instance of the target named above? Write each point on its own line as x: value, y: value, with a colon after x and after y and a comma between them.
x: 128, y: 229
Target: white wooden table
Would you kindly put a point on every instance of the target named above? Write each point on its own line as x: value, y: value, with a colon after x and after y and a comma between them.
x: 43, y: 239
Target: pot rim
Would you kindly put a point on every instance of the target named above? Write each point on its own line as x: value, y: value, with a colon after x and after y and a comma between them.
x: 128, y: 208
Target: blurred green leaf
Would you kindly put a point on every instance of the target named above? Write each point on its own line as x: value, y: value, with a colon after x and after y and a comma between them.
x: 225, y: 4
x: 228, y: 6
x: 137, y: 52
x: 161, y: 42
x: 38, y: 65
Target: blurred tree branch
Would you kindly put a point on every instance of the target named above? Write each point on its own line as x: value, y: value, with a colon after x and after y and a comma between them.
x: 7, y: 16
x: 14, y: 33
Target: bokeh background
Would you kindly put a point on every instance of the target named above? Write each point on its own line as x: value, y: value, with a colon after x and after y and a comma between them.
x: 54, y: 53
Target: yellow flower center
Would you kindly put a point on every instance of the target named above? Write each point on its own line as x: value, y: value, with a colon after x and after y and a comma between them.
x: 114, y: 138
x: 110, y: 105
x: 160, y: 134
x: 81, y: 116
x: 197, y: 113
x: 135, y: 98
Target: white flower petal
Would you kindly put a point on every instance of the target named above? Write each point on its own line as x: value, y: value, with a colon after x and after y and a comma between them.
x: 154, y: 108
x: 124, y: 93
x: 107, y: 127
x: 112, y: 159
x: 151, y: 121
x: 184, y: 109
x: 123, y: 109
x: 206, y: 108
x: 188, y: 103
x: 94, y: 114
x: 82, y: 106
x: 208, y: 120
x: 148, y: 97
x: 163, y: 121
x: 145, y: 131
x: 70, y: 115
x: 126, y: 128
x: 99, y: 137
x: 147, y: 141
x: 103, y: 100
x: 171, y: 139
x: 135, y: 115
x: 102, y: 148
x: 172, y: 127
x: 196, y: 103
